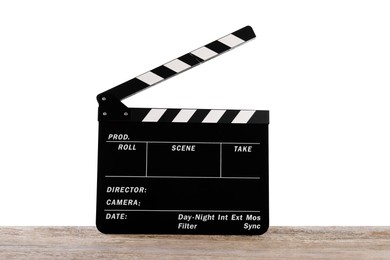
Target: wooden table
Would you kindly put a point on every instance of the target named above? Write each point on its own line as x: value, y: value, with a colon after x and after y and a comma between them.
x: 277, y: 243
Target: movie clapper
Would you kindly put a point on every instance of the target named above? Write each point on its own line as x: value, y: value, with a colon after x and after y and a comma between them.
x: 181, y: 171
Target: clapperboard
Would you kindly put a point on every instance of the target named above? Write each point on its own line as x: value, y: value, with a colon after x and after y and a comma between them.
x: 181, y: 171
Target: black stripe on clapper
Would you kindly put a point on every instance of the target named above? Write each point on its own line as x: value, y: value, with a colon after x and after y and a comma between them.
x: 245, y: 33
x: 169, y: 115
x: 127, y: 88
x: 228, y: 116
x: 259, y: 117
x: 137, y: 114
x: 163, y: 72
x: 217, y: 46
x: 199, y: 115
x: 190, y: 59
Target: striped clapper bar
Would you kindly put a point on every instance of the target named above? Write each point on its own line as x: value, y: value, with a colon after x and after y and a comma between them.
x: 181, y: 171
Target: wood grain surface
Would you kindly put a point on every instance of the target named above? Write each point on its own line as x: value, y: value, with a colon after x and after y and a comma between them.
x: 277, y: 243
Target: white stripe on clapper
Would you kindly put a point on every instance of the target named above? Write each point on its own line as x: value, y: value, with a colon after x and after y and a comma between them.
x: 177, y: 65
x: 213, y: 116
x: 154, y: 115
x: 184, y: 115
x: 204, y: 53
x: 150, y: 78
x: 231, y: 40
x: 243, y: 117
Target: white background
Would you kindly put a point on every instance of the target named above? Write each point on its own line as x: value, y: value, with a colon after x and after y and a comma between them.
x: 320, y: 67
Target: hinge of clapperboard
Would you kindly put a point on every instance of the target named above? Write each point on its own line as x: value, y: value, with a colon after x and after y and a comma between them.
x: 111, y: 107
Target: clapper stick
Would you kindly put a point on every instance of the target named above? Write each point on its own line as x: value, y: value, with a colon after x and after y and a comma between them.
x: 110, y: 100
x: 180, y: 64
